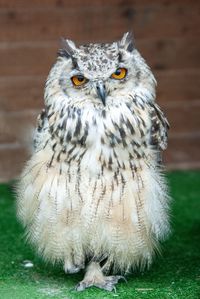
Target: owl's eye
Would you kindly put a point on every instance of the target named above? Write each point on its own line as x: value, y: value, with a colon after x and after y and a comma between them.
x: 78, y: 80
x: 119, y: 74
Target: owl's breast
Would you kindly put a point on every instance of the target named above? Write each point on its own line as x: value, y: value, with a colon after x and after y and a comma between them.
x: 108, y: 138
x: 121, y: 136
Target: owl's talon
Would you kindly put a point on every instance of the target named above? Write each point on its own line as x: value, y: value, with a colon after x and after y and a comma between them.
x: 123, y: 278
x: 82, y: 285
x: 107, y: 283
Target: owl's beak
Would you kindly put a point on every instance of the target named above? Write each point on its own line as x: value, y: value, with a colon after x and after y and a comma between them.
x: 101, y: 91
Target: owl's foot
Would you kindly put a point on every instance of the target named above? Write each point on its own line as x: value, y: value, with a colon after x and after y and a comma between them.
x: 95, y: 277
x: 108, y: 283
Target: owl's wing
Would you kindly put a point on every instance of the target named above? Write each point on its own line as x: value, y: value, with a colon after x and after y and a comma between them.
x: 159, y: 128
x: 41, y: 134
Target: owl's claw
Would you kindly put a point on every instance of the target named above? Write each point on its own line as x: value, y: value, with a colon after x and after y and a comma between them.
x: 94, y: 277
x: 82, y: 285
x: 107, y: 284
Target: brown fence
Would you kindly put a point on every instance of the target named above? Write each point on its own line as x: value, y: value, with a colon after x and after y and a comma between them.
x: 167, y: 33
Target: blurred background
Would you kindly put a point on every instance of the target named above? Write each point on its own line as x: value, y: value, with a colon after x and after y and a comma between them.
x: 167, y: 33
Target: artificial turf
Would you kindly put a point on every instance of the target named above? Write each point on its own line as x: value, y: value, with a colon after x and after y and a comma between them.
x: 175, y: 274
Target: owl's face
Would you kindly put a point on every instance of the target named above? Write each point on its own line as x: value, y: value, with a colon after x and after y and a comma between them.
x: 101, y: 74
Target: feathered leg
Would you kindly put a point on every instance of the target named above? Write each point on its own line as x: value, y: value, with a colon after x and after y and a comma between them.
x: 94, y: 277
x: 70, y: 268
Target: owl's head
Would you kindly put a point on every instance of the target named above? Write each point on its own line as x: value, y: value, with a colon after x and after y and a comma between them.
x: 99, y: 74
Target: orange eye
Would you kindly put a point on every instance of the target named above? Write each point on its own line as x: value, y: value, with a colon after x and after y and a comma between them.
x: 78, y: 80
x: 119, y: 74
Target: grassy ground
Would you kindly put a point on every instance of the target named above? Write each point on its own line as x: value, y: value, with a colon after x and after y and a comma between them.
x: 175, y: 274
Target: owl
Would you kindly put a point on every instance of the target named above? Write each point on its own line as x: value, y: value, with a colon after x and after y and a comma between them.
x: 93, y: 195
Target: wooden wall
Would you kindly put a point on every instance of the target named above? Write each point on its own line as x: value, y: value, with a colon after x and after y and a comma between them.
x: 167, y: 33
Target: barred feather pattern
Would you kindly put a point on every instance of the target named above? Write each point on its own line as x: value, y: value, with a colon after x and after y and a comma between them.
x: 96, y: 198
x: 93, y: 189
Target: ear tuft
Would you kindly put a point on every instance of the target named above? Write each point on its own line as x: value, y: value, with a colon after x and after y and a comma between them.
x: 68, y: 48
x: 126, y: 42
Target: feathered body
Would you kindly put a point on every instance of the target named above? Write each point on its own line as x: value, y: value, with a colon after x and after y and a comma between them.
x: 93, y: 188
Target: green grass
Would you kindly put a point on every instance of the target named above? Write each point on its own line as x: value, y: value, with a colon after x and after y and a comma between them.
x: 175, y: 274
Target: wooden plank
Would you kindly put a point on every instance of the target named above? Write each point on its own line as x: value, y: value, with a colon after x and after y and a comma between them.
x: 170, y: 53
x: 19, y: 93
x: 183, y: 153
x: 27, y: 59
x: 184, y: 119
x: 13, y: 158
x: 79, y: 3
x: 173, y: 53
x: 178, y: 85
x: 17, y: 126
x: 89, y: 23
x: 195, y: 165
